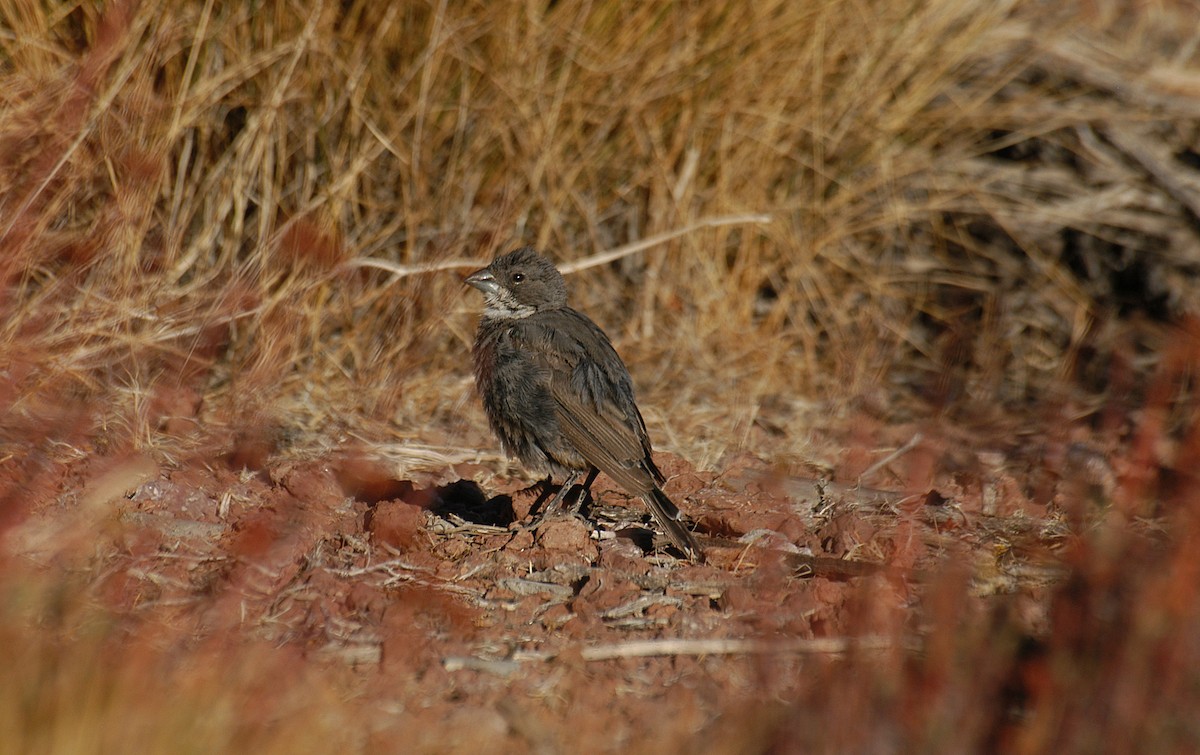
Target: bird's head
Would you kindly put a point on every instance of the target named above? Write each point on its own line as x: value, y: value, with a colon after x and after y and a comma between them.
x: 518, y: 284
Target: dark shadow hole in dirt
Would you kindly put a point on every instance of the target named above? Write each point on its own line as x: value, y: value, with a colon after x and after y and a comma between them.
x: 461, y: 498
x: 639, y: 536
x: 465, y: 499
x: 643, y: 538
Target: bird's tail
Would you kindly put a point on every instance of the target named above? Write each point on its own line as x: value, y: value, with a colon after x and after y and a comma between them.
x: 667, y: 515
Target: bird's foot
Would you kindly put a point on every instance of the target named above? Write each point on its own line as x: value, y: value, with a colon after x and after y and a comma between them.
x: 559, y: 506
x: 581, y: 504
x: 542, y: 487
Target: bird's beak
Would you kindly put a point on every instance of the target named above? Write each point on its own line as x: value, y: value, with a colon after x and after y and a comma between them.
x: 484, y: 281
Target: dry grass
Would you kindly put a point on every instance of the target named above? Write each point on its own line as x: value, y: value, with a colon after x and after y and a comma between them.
x: 182, y: 191
x: 78, y: 684
x: 987, y: 206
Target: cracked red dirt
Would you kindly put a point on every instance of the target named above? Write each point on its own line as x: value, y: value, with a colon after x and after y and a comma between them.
x: 427, y: 603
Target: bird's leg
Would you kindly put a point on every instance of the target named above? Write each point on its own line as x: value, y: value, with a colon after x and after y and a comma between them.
x: 544, y: 487
x: 585, y: 492
x: 555, y: 502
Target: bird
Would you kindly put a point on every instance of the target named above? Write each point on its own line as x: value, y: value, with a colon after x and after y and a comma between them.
x: 556, y: 392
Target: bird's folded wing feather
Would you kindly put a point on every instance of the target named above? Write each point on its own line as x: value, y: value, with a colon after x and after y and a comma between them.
x: 605, y: 440
x: 594, y: 407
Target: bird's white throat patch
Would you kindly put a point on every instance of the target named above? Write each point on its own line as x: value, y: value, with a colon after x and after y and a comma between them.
x: 502, y: 305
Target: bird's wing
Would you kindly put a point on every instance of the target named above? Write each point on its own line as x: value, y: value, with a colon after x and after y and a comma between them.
x: 602, y: 439
x: 593, y: 401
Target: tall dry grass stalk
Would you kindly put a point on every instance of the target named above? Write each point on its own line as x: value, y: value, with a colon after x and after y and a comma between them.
x: 184, y: 186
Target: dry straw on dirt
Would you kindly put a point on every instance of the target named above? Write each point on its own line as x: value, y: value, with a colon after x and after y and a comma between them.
x: 232, y: 236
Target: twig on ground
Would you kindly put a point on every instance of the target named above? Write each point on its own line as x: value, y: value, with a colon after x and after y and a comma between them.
x: 910, y: 445
x: 694, y: 647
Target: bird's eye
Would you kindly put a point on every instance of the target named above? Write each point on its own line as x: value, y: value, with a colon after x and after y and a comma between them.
x: 518, y: 277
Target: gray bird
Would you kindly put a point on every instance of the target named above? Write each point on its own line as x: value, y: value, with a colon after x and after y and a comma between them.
x: 555, y: 391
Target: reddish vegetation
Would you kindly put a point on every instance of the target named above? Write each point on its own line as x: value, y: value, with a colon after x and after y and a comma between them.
x: 959, y: 609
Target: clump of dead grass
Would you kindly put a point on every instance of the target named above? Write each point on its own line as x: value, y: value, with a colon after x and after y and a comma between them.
x: 79, y: 680
x: 183, y: 190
